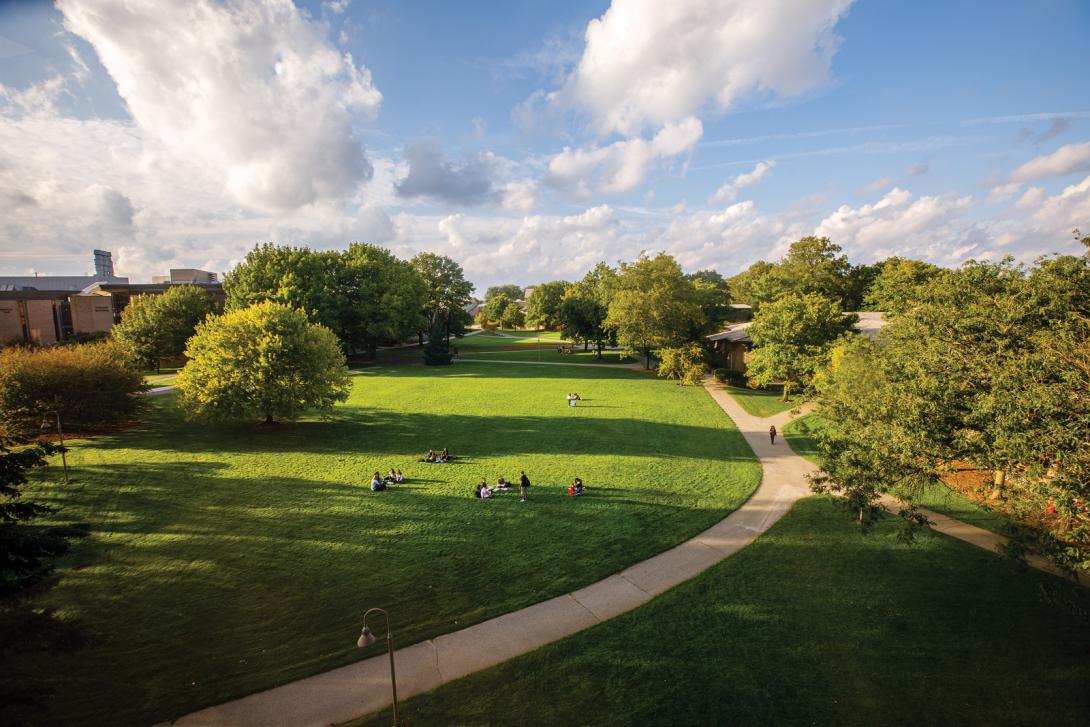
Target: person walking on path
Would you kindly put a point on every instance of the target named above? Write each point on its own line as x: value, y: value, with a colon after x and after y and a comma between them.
x: 524, y: 485
x: 772, y: 433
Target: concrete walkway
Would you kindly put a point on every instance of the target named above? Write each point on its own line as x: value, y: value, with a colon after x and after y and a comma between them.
x: 362, y: 688
x: 358, y: 689
x: 634, y: 366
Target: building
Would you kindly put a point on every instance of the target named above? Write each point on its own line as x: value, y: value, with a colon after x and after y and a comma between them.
x: 47, y: 309
x: 734, y: 343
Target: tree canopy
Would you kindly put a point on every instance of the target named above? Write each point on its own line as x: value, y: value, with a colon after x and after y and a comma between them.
x: 653, y: 305
x: 495, y: 307
x: 154, y: 327
x: 543, y: 305
x: 512, y: 291
x: 267, y: 360
x: 383, y: 298
x: 791, y: 339
x: 446, y: 291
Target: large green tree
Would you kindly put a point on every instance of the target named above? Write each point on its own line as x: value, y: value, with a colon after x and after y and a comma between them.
x: 791, y: 338
x: 446, y: 291
x: 654, y: 306
x: 295, y: 276
x: 898, y: 284
x: 154, y: 327
x: 512, y: 291
x: 492, y: 311
x: 811, y: 265
x: 267, y: 361
x: 543, y: 305
x: 987, y: 369
x: 383, y: 298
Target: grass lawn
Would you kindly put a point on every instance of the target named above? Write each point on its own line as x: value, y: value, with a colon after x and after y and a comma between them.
x: 762, y: 402
x: 530, y: 335
x: 578, y: 356
x: 225, y: 560
x: 811, y: 624
x: 934, y: 496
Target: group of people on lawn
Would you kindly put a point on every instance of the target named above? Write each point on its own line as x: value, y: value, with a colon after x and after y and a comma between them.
x: 379, y: 483
x: 483, y: 491
x: 441, y: 458
x: 573, y: 399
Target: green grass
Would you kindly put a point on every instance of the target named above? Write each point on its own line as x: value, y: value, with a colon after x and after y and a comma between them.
x: 225, y: 560
x: 762, y: 402
x: 934, y: 496
x: 530, y: 335
x: 578, y: 356
x: 800, y: 433
x: 811, y: 624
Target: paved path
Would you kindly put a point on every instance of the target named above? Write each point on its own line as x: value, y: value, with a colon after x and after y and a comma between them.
x: 635, y: 366
x: 352, y: 691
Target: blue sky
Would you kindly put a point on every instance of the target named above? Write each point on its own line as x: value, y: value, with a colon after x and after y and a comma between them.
x: 529, y: 140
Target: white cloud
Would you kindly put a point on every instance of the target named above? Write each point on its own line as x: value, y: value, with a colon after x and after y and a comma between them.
x: 249, y: 89
x: 521, y: 196
x: 899, y: 224
x: 648, y: 63
x: 623, y: 165
x: 729, y: 190
x: 1003, y: 192
x: 1065, y: 160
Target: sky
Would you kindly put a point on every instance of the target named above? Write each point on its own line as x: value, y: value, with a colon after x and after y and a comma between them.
x: 530, y: 140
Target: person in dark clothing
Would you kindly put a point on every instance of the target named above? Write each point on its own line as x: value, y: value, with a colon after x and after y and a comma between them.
x: 524, y: 485
x: 772, y: 433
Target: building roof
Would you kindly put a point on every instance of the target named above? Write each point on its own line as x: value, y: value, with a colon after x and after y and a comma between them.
x: 71, y: 283
x: 869, y: 324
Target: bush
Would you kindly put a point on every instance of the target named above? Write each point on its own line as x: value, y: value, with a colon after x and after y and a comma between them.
x: 437, y: 350
x: 730, y: 376
x: 267, y: 360
x: 90, y: 385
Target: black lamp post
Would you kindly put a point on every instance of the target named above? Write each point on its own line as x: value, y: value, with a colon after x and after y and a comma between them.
x: 46, y: 424
x: 367, y: 638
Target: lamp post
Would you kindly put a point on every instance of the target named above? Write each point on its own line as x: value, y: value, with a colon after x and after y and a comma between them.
x: 45, y: 426
x: 367, y: 638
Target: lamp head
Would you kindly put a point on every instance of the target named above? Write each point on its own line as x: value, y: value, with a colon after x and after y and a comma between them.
x: 366, y: 638
x: 46, y: 424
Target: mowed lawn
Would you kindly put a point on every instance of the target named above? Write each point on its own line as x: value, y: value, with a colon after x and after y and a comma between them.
x: 228, y: 559
x: 812, y: 624
x: 802, y: 433
x: 762, y: 402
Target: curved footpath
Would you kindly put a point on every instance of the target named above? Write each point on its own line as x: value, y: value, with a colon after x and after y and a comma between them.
x: 358, y: 689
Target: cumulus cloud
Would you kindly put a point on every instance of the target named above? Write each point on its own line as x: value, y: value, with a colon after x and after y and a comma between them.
x: 621, y: 166
x: 521, y: 196
x: 647, y: 63
x: 432, y: 175
x: 901, y: 224
x: 249, y: 88
x: 729, y: 190
x: 1065, y: 160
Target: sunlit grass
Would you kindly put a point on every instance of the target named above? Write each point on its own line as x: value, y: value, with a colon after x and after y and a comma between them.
x: 762, y: 402
x: 227, y: 559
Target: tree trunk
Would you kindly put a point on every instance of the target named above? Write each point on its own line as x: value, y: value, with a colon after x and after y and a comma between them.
x: 268, y: 419
x: 999, y: 482
x: 647, y: 359
x: 786, y: 391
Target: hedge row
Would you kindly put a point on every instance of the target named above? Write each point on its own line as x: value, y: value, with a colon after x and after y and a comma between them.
x: 91, y: 385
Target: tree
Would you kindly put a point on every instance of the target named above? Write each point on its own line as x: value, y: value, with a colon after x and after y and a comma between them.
x: 585, y: 307
x: 155, y: 327
x: 266, y: 360
x: 446, y: 291
x: 543, y: 305
x: 512, y: 317
x: 654, y: 306
x: 812, y: 265
x: 791, y: 339
x: 493, y: 310
x: 512, y: 291
x: 859, y: 280
x: 383, y: 298
x: 898, y: 285
x: 684, y: 363
x: 295, y: 276
x: 437, y: 349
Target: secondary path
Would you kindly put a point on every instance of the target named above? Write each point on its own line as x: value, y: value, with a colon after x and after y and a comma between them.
x: 361, y: 688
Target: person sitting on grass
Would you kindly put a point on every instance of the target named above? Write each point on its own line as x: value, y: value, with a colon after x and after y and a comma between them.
x: 431, y: 456
x: 501, y: 484
x: 575, y: 489
x: 484, y: 489
x: 377, y: 485
x: 391, y: 477
x: 445, y: 455
x: 398, y: 477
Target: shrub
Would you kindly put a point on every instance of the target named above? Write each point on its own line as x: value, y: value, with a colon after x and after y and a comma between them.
x: 437, y: 350
x: 267, y: 360
x: 90, y: 385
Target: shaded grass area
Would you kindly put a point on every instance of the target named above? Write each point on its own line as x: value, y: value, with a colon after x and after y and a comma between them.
x: 228, y: 559
x: 550, y: 355
x: 762, y: 402
x: 801, y: 434
x: 786, y: 633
